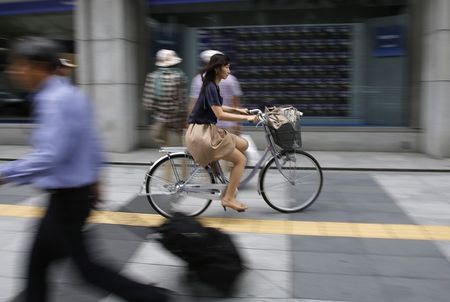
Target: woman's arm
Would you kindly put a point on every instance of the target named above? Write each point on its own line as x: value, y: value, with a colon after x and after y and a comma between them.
x: 234, y: 110
x: 223, y: 115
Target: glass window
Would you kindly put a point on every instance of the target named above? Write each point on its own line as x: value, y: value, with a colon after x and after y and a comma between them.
x: 15, y: 106
x: 341, y: 64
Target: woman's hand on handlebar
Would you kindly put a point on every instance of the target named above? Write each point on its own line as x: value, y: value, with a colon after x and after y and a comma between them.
x: 252, y: 118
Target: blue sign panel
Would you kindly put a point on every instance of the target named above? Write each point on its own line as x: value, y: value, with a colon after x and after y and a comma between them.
x: 37, y: 6
x: 389, y: 41
x: 54, y: 6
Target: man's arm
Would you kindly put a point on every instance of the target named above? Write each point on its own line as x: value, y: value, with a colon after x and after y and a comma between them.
x: 148, y: 94
x: 51, y: 143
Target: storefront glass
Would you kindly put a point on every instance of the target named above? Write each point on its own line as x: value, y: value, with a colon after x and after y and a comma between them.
x: 15, y: 105
x: 340, y: 62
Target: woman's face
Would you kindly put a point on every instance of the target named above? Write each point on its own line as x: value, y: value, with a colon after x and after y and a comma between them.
x: 223, y: 72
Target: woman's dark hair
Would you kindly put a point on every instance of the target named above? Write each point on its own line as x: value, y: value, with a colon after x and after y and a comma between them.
x: 37, y: 49
x: 209, y: 72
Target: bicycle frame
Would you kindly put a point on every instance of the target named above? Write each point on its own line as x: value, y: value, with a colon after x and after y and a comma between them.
x: 188, y: 179
x: 209, y: 191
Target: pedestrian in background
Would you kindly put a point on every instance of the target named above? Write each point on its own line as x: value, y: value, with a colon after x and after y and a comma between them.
x: 65, y: 161
x: 65, y: 69
x: 230, y: 91
x: 165, y: 98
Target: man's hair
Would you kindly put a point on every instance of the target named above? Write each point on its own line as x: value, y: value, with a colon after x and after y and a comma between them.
x: 37, y: 49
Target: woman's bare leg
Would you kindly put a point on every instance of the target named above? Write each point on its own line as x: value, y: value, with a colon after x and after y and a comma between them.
x: 241, y: 144
x: 238, y: 159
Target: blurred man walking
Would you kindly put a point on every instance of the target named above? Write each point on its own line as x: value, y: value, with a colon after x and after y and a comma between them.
x: 66, y: 162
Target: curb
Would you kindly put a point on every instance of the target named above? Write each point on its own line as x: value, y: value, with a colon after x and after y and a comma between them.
x: 411, y: 170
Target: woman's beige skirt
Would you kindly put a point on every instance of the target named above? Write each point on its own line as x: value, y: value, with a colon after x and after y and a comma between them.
x: 207, y: 143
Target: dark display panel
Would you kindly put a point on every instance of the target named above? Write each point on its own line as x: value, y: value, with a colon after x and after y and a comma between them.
x: 308, y: 66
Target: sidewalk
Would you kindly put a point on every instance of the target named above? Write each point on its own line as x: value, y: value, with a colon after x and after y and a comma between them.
x: 370, y: 237
x: 329, y: 160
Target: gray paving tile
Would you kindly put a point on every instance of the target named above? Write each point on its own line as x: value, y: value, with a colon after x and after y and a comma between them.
x: 264, y: 284
x: 327, y: 245
x: 13, y: 199
x: 338, y: 287
x: 332, y: 263
x: 362, y: 206
x: 252, y: 283
x: 184, y: 298
x: 444, y: 247
x: 119, y: 251
x: 344, y: 178
x: 6, y: 237
x: 20, y: 190
x: 411, y: 267
x: 18, y: 224
x: 121, y: 232
x: 12, y: 264
x: 155, y: 253
x: 274, y: 260
x: 389, y: 247
x: 369, y: 189
x: 16, y: 241
x: 380, y: 217
x: 416, y: 290
x: 75, y: 293
x: 9, y: 287
x: 262, y: 241
x: 65, y: 272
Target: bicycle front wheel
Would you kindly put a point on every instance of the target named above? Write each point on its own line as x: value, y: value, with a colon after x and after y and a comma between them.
x: 164, y: 185
x: 291, y: 182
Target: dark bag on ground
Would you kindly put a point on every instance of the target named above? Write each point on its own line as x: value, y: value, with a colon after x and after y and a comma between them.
x: 210, y: 254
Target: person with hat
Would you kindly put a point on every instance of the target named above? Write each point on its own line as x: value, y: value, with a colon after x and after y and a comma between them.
x: 65, y: 68
x: 230, y: 90
x: 165, y: 98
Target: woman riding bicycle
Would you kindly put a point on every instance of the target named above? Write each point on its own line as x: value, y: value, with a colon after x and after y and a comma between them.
x: 205, y: 141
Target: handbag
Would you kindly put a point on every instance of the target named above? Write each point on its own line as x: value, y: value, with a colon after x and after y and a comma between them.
x: 277, y: 116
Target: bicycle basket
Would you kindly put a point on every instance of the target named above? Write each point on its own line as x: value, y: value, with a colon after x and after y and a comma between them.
x: 284, y: 125
x: 287, y: 137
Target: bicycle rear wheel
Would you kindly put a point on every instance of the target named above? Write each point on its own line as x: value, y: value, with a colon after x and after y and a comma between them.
x: 165, y: 181
x: 294, y: 185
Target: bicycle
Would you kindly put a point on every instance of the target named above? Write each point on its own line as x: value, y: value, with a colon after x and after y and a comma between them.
x: 289, y: 180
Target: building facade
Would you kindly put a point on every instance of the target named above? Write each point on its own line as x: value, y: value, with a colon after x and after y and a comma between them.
x: 369, y: 75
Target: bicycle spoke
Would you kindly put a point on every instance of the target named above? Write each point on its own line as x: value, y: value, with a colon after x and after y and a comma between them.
x: 164, y: 186
x: 292, y: 186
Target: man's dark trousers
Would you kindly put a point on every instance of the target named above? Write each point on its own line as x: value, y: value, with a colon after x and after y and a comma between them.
x: 60, y: 235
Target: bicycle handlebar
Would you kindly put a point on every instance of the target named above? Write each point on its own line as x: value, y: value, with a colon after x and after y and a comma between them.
x: 255, y: 111
x: 263, y: 116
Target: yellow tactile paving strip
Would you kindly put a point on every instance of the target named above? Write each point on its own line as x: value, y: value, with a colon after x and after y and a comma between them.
x: 285, y: 227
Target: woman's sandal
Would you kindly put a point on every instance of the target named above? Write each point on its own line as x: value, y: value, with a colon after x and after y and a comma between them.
x: 237, y: 206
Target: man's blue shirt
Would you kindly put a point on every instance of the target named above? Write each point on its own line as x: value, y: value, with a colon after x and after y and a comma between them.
x: 66, y: 149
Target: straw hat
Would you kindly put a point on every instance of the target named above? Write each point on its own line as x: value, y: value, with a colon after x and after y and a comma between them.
x: 167, y: 58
